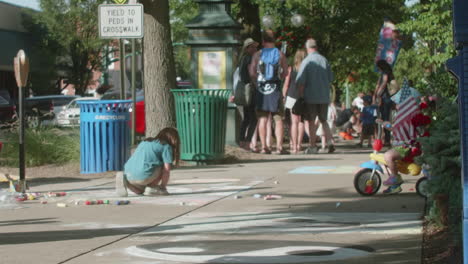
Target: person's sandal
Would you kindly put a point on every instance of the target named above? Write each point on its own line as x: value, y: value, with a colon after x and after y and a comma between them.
x: 254, y: 150
x: 265, y: 151
x: 281, y: 152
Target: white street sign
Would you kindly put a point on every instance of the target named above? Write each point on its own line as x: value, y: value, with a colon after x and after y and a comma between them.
x: 121, y: 21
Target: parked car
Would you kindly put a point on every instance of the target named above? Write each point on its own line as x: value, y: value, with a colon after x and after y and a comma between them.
x: 140, y: 126
x: 69, y: 116
x: 7, y: 107
x: 42, y: 110
x: 139, y: 107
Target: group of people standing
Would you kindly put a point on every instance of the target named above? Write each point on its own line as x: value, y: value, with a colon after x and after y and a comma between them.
x: 279, y: 86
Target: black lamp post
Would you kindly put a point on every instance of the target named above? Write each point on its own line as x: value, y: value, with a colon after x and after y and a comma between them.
x: 282, y: 12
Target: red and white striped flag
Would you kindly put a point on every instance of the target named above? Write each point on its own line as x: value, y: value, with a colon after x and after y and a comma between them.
x: 403, y: 129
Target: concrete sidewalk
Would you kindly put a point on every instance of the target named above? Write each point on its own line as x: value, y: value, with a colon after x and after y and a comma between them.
x: 212, y: 216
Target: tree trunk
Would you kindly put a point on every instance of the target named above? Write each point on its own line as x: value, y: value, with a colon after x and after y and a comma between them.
x: 159, y: 69
x: 249, y: 18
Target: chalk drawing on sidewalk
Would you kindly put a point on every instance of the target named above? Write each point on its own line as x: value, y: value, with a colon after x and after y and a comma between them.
x: 178, y: 240
x: 248, y: 251
x: 292, y: 223
x: 323, y: 170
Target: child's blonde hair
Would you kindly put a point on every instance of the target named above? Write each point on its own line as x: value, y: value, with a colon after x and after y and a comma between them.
x: 169, y: 135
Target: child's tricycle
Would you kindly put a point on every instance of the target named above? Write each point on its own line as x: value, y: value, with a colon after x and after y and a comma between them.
x: 368, y: 180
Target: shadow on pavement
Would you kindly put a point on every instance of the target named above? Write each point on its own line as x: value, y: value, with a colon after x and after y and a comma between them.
x: 34, y: 221
x: 64, y: 235
x: 32, y: 182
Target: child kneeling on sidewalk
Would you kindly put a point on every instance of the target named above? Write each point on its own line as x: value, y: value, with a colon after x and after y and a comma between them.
x: 148, y: 169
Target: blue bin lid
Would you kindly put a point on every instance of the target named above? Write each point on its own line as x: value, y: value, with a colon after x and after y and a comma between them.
x: 103, y: 102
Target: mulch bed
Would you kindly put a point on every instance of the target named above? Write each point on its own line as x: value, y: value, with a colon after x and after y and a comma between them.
x: 440, y: 246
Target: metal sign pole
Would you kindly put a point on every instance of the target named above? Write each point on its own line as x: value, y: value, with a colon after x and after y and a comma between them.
x: 22, y: 169
x: 122, y: 68
x: 21, y: 64
x: 133, y: 93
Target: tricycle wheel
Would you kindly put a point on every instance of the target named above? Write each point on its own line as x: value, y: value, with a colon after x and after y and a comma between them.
x: 421, y: 187
x: 367, y: 182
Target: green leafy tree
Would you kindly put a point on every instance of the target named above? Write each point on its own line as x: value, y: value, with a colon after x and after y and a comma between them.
x: 43, y: 55
x: 430, y: 24
x: 248, y: 15
x: 71, y: 27
x: 181, y: 11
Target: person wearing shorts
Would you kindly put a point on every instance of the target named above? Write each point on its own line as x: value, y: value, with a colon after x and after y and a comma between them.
x: 147, y: 171
x: 291, y: 93
x: 314, y: 83
x: 267, y: 70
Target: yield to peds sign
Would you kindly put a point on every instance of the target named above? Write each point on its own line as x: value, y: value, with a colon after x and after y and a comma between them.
x: 120, y: 21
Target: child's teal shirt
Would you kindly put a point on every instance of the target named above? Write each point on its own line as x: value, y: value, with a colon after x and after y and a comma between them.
x: 147, y: 157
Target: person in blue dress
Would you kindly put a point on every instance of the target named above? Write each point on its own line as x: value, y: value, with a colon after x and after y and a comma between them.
x: 148, y: 169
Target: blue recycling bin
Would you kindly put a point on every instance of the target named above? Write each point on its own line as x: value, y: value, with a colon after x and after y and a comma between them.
x: 104, y: 135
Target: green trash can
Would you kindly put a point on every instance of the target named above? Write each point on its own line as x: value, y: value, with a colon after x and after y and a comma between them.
x: 201, y: 121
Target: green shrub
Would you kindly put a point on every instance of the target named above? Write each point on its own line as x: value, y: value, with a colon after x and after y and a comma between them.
x: 442, y: 153
x: 42, y: 146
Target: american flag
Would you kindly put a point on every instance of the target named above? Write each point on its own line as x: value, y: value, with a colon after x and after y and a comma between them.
x: 403, y: 129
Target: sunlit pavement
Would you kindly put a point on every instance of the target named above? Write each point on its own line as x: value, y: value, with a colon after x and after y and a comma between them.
x: 219, y: 214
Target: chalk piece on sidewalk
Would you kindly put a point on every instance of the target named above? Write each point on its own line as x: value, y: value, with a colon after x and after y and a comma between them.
x: 272, y: 197
x: 122, y: 202
x: 61, y: 205
x: 257, y: 195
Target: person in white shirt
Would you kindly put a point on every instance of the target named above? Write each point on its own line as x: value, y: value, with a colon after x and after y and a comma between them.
x: 358, y: 101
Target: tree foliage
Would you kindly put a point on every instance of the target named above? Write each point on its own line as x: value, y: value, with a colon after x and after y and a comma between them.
x: 430, y: 25
x: 69, y: 29
x: 181, y: 11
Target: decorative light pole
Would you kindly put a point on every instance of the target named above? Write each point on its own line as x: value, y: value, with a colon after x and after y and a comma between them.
x: 297, y: 20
